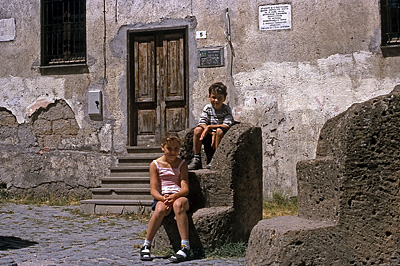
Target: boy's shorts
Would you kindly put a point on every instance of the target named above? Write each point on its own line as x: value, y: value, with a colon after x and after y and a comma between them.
x: 224, y: 129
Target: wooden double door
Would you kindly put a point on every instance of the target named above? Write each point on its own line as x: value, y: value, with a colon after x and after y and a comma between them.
x: 157, y: 85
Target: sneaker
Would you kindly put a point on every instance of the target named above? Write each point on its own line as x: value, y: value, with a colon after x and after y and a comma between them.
x: 208, y: 166
x: 181, y: 255
x: 195, y: 164
x: 145, y: 253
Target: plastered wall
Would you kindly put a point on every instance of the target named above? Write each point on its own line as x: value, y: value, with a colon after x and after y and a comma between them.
x: 288, y: 82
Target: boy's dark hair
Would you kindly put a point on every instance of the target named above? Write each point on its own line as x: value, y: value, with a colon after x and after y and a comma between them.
x: 218, y: 87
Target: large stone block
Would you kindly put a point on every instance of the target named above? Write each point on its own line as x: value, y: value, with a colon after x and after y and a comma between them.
x: 227, y: 200
x: 348, y: 196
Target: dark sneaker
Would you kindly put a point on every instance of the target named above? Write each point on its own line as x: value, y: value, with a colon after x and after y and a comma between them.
x: 181, y: 255
x: 145, y: 253
x: 195, y: 164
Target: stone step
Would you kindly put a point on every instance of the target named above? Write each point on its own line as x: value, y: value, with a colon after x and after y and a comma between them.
x: 125, y: 182
x: 129, y: 168
x: 143, y: 149
x: 118, y: 202
x: 127, y: 188
x: 121, y: 193
x: 143, y: 158
x: 144, y: 165
x: 117, y: 174
x: 116, y: 206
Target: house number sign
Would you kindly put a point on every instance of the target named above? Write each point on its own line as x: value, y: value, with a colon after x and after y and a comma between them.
x: 275, y: 17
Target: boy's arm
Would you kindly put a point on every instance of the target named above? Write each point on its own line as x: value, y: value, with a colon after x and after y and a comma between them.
x: 208, y: 128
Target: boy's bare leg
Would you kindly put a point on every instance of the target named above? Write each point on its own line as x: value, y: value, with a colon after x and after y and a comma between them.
x: 218, y: 137
x: 156, y: 219
x: 196, y: 140
x: 181, y: 206
x: 213, y: 140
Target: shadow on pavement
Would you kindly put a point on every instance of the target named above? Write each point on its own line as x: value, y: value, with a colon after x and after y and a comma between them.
x: 11, y: 242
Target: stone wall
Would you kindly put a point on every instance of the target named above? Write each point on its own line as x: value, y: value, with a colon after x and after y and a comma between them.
x: 47, y: 156
x: 348, y: 196
x: 287, y: 82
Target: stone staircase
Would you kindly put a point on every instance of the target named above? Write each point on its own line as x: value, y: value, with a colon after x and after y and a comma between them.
x: 127, y: 188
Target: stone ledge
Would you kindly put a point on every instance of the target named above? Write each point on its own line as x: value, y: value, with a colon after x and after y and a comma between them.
x: 269, y: 237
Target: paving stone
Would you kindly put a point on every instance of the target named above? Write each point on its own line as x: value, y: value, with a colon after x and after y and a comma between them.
x: 47, y: 236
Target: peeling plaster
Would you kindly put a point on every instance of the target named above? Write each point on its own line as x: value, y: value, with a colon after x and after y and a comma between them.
x: 23, y: 96
x: 328, y: 86
x: 303, y: 95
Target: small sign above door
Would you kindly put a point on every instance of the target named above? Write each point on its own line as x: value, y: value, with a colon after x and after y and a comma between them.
x: 211, y: 57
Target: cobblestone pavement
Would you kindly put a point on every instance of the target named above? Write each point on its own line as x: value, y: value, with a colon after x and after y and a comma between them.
x: 42, y: 236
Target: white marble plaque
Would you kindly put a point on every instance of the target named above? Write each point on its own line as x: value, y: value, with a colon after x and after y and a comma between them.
x: 275, y: 17
x: 7, y: 30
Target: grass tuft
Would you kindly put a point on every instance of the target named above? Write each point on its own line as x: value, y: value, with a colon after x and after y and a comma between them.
x: 29, y: 199
x: 279, y: 205
x: 229, y: 250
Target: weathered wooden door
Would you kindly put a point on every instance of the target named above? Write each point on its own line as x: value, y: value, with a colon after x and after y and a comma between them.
x: 157, y: 85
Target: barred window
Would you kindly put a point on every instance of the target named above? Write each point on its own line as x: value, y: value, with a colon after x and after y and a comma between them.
x: 390, y: 16
x: 63, y: 32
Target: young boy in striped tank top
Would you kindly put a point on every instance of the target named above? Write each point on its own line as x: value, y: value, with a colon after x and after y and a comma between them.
x: 215, y: 120
x: 169, y: 186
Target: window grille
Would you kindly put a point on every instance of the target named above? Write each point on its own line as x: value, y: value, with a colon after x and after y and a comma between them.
x: 390, y: 15
x: 63, y: 32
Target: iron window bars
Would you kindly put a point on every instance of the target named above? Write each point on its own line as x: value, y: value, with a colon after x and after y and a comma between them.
x: 63, y: 32
x: 390, y: 16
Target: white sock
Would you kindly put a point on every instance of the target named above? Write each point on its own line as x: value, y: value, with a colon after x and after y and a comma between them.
x: 147, y: 242
x: 185, y: 243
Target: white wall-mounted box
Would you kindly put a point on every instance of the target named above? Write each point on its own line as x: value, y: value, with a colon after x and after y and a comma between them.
x: 95, y: 103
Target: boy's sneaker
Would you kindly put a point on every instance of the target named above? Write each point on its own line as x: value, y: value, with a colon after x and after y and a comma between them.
x: 208, y: 166
x: 181, y: 255
x: 195, y: 164
x: 145, y: 253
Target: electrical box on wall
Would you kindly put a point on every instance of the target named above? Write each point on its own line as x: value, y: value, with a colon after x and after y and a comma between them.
x: 95, y: 103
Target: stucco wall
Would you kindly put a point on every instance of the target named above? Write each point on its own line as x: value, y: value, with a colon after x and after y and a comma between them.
x: 288, y: 82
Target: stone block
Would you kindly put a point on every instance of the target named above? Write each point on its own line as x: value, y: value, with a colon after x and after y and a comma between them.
x: 227, y: 200
x: 42, y: 127
x: 88, y: 208
x: 348, y: 196
x: 319, y: 184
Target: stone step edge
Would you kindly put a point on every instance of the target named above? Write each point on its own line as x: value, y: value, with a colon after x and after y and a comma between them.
x: 118, y: 202
x: 124, y: 190
x: 125, y: 179
x: 144, y: 149
x: 130, y: 168
x: 140, y: 156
